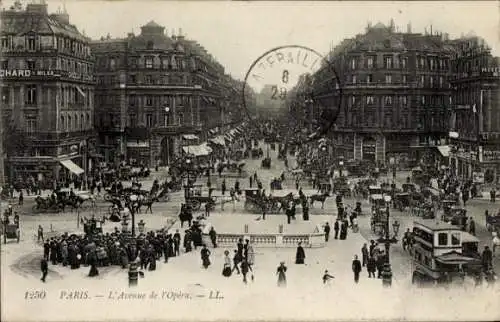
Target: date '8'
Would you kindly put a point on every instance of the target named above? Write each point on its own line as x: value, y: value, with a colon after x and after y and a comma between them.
x: 280, y: 92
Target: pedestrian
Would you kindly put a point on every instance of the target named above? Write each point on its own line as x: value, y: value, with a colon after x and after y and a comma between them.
x: 300, y: 255
x: 21, y: 197
x: 223, y: 186
x: 40, y: 233
x: 356, y: 268
x: 336, y: 228
x: 177, y: 242
x: 226, y: 270
x: 205, y: 256
x: 44, y: 266
x: 343, y: 229
x: 493, y: 195
x: 371, y: 267
x: 487, y: 258
x: 281, y: 272
x: 93, y: 264
x: 213, y: 236
x: 236, y: 261
x: 327, y: 277
x: 472, y: 226
x: 327, y: 232
x: 46, y: 250
x: 244, y: 269
x: 373, y: 245
x: 364, y: 254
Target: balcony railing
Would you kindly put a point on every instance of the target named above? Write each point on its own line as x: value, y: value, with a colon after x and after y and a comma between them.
x: 56, y: 136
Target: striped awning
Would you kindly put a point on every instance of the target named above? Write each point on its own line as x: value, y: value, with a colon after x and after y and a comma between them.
x: 218, y: 140
x: 197, y: 150
x: 73, y: 167
x: 189, y: 137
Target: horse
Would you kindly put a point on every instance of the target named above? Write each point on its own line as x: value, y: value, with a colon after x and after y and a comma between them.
x: 321, y: 198
x: 148, y: 202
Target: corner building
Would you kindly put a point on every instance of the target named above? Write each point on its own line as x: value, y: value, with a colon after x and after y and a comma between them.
x: 395, y: 102
x: 47, y: 86
x: 153, y: 91
x: 475, y: 121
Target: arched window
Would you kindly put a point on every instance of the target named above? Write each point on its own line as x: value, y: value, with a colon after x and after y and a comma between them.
x: 62, y: 125
x: 69, y: 123
x: 75, y: 126
x: 82, y: 122
x: 88, y: 120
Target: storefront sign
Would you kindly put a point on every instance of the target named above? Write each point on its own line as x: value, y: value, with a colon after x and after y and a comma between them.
x: 26, y: 73
x: 478, y: 177
x: 491, y: 155
x: 491, y: 71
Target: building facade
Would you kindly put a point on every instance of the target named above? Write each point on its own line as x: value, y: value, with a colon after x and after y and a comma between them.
x: 154, y: 90
x: 395, y: 95
x: 475, y: 122
x: 47, y: 86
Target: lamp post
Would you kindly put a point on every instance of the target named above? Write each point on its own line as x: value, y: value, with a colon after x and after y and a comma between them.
x: 188, y: 185
x: 387, y: 241
x: 133, y: 199
x: 167, y: 111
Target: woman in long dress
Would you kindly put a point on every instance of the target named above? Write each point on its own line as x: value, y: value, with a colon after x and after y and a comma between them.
x: 281, y: 274
x: 300, y: 255
x: 205, y: 253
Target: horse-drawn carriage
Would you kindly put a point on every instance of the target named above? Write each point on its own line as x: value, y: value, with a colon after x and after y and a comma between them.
x: 11, y: 231
x: 420, y: 177
x: 256, y: 153
x: 253, y: 200
x: 266, y: 163
x: 234, y: 169
x: 195, y: 197
x: 493, y: 222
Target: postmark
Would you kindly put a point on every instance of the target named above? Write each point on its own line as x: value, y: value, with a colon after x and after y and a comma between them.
x: 297, y: 88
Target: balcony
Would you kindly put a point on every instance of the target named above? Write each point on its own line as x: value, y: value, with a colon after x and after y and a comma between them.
x: 381, y: 85
x: 55, y: 137
x: 174, y: 129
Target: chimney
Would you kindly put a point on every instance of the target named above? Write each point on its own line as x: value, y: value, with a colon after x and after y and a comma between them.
x: 391, y: 25
x: 408, y: 28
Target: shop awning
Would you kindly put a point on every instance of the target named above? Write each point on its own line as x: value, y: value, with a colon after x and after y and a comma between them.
x: 212, y: 131
x: 228, y: 137
x: 73, y: 167
x: 444, y: 150
x: 140, y: 144
x: 218, y: 140
x: 189, y: 137
x: 197, y: 150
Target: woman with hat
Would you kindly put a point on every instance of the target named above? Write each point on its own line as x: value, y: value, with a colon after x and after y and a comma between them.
x: 281, y: 274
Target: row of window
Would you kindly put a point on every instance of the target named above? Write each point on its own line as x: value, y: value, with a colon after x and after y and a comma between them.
x: 146, y: 100
x: 70, y: 95
x: 69, y: 122
x: 392, y: 121
x: 389, y: 62
x: 32, y: 42
x: 431, y: 100
x: 431, y: 81
x: 133, y: 79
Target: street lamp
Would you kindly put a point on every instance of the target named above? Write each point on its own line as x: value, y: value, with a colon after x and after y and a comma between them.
x: 133, y: 199
x: 188, y: 184
x: 387, y: 241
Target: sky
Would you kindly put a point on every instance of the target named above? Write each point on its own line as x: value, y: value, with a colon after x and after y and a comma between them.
x: 237, y: 33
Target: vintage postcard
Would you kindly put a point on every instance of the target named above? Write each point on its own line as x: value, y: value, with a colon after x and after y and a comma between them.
x: 249, y: 160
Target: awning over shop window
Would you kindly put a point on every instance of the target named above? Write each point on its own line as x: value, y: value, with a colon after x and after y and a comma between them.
x: 197, y: 150
x: 189, y: 137
x: 218, y: 140
x: 73, y: 167
x: 140, y: 144
x: 228, y: 137
x: 212, y: 131
x: 444, y: 150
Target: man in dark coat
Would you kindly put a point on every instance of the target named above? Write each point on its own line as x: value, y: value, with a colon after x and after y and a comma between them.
x: 300, y: 255
x: 356, y: 268
x: 240, y: 248
x: 213, y: 236
x: 365, y: 254
x: 336, y: 228
x: 46, y: 250
x: 371, y: 267
x: 487, y: 258
x: 44, y: 266
x: 472, y: 226
x: 177, y: 242
x: 327, y: 231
